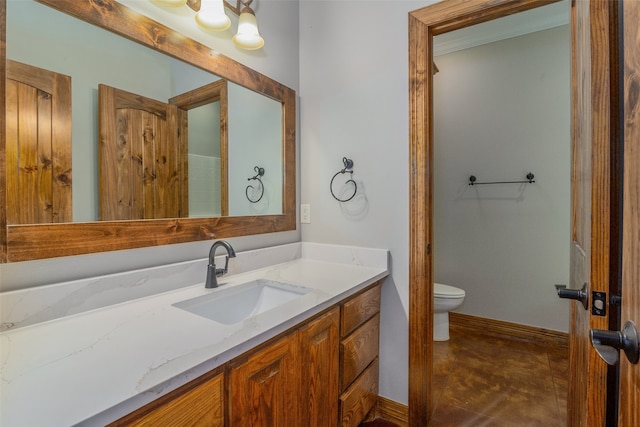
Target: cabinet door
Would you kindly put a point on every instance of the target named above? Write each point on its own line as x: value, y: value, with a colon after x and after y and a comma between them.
x: 199, y: 403
x: 319, y: 358
x: 263, y: 389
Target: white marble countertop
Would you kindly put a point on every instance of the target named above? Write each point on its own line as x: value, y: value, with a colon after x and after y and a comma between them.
x: 97, y: 365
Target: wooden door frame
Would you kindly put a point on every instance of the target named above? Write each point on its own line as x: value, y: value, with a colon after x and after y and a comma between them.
x: 425, y: 23
x: 630, y: 374
x: 3, y: 119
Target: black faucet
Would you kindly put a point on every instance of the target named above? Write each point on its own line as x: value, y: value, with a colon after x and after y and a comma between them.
x: 212, y: 272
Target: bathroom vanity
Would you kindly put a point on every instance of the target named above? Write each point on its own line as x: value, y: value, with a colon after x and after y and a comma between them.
x: 292, y: 380
x: 306, y: 354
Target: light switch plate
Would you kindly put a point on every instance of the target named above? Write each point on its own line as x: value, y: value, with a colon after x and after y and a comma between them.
x: 305, y: 214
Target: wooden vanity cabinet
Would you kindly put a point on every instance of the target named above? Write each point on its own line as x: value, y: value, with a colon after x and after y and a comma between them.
x: 321, y: 373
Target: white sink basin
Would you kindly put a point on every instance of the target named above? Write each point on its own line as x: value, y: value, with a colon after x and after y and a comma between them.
x: 237, y: 303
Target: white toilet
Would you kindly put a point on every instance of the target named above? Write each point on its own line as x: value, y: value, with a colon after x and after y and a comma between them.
x: 445, y: 299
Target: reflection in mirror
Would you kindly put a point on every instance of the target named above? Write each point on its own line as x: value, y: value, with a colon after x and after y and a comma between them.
x: 157, y: 77
x: 205, y: 188
x: 255, y: 127
x: 38, y: 136
x: 206, y: 110
x: 42, y: 37
x: 141, y: 157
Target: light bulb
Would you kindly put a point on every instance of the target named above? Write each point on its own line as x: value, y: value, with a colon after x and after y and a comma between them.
x: 211, y: 15
x: 248, y: 36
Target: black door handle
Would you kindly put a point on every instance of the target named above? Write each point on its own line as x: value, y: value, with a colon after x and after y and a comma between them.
x: 607, y: 343
x: 577, y: 294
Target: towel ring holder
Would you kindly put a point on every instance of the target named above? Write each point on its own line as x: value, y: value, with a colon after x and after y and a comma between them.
x: 348, y: 168
x: 259, y: 173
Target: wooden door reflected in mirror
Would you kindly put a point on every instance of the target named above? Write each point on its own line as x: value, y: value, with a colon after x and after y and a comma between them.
x: 38, y: 138
x: 140, y: 157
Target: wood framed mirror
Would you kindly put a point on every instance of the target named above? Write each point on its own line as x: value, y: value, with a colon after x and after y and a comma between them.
x: 21, y: 242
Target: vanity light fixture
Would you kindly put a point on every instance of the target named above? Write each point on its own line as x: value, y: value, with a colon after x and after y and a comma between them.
x: 211, y: 16
x: 248, y: 36
x: 172, y: 3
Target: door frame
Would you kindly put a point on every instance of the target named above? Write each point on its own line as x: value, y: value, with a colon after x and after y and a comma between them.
x: 424, y: 24
x: 630, y: 374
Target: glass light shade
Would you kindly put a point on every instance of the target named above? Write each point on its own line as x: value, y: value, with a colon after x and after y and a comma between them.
x: 211, y: 15
x: 248, y: 36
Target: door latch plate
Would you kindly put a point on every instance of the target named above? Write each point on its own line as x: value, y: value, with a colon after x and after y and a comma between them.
x: 598, y: 303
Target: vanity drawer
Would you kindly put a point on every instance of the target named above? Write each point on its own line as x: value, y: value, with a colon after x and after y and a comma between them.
x: 358, y: 350
x: 198, y: 403
x: 357, y: 310
x: 359, y: 398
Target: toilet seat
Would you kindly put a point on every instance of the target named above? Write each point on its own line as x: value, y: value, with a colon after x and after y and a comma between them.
x: 446, y: 291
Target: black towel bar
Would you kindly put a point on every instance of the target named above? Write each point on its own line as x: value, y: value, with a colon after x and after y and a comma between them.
x: 529, y: 180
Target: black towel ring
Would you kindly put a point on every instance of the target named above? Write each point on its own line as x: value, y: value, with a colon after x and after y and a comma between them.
x: 348, y: 168
x: 259, y: 173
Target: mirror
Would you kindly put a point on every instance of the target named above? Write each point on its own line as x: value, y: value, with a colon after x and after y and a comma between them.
x: 133, y: 183
x: 192, y: 68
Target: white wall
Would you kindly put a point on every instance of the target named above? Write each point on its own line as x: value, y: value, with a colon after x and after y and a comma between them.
x: 278, y: 20
x: 501, y: 110
x: 354, y: 103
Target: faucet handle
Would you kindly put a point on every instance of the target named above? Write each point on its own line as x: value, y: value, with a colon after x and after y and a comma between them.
x: 222, y: 271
